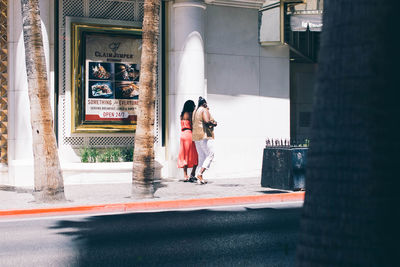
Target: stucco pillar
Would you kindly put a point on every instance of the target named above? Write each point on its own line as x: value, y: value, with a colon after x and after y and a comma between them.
x: 20, y: 135
x: 186, y: 67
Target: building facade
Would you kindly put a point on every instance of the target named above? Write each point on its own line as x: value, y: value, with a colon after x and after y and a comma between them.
x: 207, y: 48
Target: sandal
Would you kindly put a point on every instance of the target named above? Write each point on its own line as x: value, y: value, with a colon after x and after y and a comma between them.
x: 201, y: 181
x: 185, y: 180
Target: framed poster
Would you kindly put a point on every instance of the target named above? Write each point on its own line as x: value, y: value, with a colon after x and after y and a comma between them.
x: 105, y: 78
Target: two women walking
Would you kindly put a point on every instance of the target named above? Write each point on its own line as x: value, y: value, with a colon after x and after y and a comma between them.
x: 197, y: 138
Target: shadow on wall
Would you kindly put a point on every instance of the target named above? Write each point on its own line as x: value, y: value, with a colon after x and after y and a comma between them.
x: 236, y: 62
x: 234, y: 75
x: 182, y: 238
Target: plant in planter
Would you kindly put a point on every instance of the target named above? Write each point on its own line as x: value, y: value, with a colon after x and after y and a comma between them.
x: 127, y: 154
x: 93, y: 154
x: 84, y: 155
x: 284, y: 165
x: 105, y: 156
x: 117, y: 154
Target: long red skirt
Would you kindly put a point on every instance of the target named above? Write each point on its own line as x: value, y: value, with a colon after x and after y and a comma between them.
x: 187, y: 151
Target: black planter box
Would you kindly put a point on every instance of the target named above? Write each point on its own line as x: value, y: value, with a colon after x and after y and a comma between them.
x: 284, y: 168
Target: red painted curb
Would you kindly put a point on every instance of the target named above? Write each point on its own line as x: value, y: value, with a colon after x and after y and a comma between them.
x: 157, y: 205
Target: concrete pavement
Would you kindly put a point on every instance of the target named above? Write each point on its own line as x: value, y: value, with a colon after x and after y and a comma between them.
x: 169, y: 194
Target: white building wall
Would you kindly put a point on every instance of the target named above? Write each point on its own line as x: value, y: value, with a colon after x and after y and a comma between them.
x: 247, y: 89
x: 246, y: 85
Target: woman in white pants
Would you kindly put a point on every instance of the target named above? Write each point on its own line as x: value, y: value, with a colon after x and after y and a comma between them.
x: 203, y: 137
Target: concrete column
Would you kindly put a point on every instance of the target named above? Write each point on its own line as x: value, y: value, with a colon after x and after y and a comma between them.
x: 20, y: 135
x: 186, y: 66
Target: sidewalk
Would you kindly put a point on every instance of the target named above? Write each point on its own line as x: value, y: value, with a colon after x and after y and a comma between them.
x: 169, y: 194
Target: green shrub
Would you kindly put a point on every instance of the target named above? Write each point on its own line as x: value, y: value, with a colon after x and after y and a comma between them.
x: 105, y: 156
x: 127, y: 154
x: 116, y: 154
x: 84, y: 155
x: 93, y: 154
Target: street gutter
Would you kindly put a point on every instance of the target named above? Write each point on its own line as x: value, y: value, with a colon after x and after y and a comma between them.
x: 154, y: 205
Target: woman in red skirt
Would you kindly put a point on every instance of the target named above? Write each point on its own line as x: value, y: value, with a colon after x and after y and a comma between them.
x: 187, y: 157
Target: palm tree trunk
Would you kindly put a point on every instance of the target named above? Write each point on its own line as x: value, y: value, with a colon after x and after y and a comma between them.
x: 352, y: 194
x: 47, y: 171
x: 143, y: 157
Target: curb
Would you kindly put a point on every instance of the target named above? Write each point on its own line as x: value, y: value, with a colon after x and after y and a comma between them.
x: 156, y: 205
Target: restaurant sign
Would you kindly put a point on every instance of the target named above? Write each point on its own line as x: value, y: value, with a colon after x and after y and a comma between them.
x: 112, y: 78
x: 106, y: 77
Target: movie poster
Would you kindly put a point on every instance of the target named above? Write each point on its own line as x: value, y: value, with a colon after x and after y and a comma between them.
x: 112, y: 67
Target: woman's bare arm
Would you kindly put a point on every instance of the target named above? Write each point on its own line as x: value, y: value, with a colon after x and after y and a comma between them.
x: 207, y: 119
x: 206, y: 116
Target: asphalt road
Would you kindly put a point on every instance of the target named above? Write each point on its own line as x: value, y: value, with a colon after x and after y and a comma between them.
x: 232, y: 236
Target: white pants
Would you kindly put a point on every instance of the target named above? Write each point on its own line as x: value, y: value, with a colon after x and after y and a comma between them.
x: 205, y: 150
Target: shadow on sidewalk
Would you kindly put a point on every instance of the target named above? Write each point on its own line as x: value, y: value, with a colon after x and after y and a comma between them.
x: 274, y: 191
x: 176, y: 238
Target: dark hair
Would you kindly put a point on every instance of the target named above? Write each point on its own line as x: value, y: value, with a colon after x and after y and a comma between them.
x: 188, y: 107
x: 201, y: 101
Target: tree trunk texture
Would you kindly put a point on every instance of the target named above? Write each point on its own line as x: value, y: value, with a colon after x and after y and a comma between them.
x: 143, y: 156
x: 47, y: 171
x: 351, y: 202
